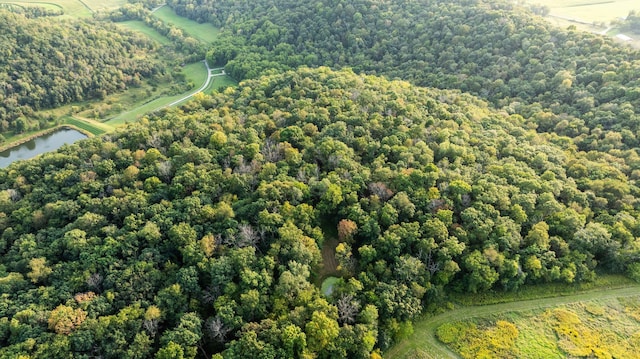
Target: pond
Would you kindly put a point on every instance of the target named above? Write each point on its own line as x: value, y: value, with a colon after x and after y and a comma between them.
x: 327, y: 285
x: 45, y: 143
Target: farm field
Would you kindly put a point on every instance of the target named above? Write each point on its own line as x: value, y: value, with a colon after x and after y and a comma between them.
x: 485, y: 316
x: 73, y: 8
x: 595, y: 16
x: 590, y: 11
x: 203, y: 32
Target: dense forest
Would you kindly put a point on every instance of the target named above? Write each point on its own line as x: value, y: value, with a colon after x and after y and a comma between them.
x: 49, y: 62
x: 503, y: 154
x: 200, y: 229
x: 567, y: 82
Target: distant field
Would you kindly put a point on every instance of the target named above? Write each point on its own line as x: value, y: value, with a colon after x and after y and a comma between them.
x: 140, y: 26
x: 590, y: 10
x: 73, y: 8
x: 203, y: 32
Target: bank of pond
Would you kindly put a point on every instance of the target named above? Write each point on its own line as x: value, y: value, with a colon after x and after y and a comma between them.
x: 50, y: 141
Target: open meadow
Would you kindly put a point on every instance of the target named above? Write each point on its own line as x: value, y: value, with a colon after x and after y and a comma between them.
x: 73, y: 8
x: 590, y: 11
x: 204, y: 32
x: 596, y: 16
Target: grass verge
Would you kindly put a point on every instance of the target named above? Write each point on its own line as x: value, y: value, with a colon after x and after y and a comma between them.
x: 93, y: 127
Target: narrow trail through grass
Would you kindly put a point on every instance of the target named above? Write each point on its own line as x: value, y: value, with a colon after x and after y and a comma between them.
x: 423, y: 339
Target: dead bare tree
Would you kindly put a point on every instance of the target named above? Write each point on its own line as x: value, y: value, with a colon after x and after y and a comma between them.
x: 272, y: 151
x: 94, y: 281
x: 216, y: 329
x: 151, y: 326
x: 432, y: 266
x: 247, y: 236
x: 348, y: 309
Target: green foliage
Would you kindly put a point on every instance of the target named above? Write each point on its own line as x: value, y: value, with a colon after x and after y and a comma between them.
x: 55, y: 62
x: 199, y: 232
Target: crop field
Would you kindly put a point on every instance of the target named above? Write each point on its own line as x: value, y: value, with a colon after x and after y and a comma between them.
x: 73, y: 8
x: 203, y: 32
x: 599, y: 328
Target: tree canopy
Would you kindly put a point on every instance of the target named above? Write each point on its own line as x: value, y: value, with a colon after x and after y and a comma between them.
x: 199, y: 230
x: 49, y: 62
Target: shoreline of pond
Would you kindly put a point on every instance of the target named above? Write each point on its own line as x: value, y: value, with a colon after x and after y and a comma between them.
x: 22, y: 141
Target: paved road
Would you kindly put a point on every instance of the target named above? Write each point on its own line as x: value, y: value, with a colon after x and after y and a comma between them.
x: 157, y: 8
x: 424, y: 339
x: 210, y: 75
x: 604, y: 32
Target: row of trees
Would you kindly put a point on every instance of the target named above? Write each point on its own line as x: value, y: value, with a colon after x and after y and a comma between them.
x: 199, y: 232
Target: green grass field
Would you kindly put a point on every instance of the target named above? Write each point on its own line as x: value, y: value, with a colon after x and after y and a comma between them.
x: 590, y: 10
x: 94, y: 127
x: 140, y: 26
x: 195, y: 73
x: 73, y: 8
x: 203, y: 32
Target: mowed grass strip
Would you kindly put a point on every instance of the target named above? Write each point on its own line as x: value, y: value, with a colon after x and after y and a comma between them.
x: 195, y: 73
x: 204, y: 32
x: 94, y: 127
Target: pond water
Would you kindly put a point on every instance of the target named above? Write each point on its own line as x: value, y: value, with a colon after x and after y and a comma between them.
x: 39, y: 145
